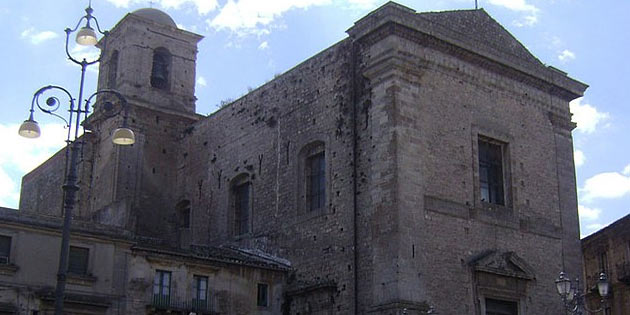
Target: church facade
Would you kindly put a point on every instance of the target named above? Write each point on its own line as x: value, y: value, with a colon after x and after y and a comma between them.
x: 424, y: 164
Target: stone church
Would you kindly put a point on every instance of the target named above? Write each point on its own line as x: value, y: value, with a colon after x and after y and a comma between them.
x: 423, y: 164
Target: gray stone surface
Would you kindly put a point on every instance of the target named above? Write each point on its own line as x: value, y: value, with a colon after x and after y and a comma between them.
x: 399, y: 106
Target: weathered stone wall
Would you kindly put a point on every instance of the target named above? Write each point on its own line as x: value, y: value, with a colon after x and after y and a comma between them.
x: 28, y: 281
x: 232, y: 289
x: 399, y: 106
x: 613, y: 243
x: 261, y: 135
x: 41, y: 188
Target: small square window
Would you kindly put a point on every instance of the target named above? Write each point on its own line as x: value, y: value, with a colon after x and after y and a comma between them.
x: 263, y: 294
x: 78, y: 260
x: 491, y: 177
x: 5, y: 249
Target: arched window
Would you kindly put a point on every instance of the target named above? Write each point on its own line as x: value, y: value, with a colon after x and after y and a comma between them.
x: 160, y: 69
x: 112, y: 70
x: 183, y: 214
x: 241, y: 204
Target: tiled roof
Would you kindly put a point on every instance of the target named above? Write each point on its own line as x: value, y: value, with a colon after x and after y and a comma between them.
x: 479, y: 30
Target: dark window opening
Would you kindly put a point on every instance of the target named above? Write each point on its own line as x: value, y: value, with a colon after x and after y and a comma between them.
x: 5, y: 249
x: 500, y: 307
x: 183, y: 214
x: 603, y: 262
x: 200, y: 289
x: 241, y: 208
x: 162, y: 288
x: 112, y: 70
x: 263, y: 295
x: 316, y: 181
x: 78, y: 260
x: 160, y: 69
x: 491, y: 172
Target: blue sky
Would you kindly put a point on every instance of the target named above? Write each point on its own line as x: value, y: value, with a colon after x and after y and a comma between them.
x: 247, y: 42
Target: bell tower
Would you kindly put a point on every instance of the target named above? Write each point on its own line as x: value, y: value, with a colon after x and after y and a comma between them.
x: 152, y: 64
x: 151, y: 61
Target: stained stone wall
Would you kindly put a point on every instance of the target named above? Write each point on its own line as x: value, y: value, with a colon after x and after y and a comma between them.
x: 397, y: 108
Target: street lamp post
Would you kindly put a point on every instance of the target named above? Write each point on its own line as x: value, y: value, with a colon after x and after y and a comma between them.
x: 573, y: 298
x: 86, y: 35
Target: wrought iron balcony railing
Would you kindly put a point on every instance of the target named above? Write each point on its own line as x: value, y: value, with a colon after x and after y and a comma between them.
x: 174, y: 303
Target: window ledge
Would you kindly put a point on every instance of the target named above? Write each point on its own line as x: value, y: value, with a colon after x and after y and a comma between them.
x: 84, y: 280
x: 8, y: 269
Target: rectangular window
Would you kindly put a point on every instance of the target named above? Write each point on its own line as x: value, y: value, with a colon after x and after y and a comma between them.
x: 263, y: 294
x: 162, y: 288
x: 5, y: 249
x: 491, y: 171
x: 316, y: 181
x: 241, y: 208
x: 500, y: 307
x: 78, y: 260
x: 200, y: 288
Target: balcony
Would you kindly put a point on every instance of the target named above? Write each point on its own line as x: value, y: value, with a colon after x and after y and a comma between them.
x: 174, y: 304
x: 623, y: 272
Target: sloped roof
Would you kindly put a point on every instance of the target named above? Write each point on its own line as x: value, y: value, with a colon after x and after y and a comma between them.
x: 478, y: 28
x: 221, y: 254
x: 473, y: 31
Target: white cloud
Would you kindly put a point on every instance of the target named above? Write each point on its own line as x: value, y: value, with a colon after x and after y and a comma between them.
x: 579, y: 158
x: 590, y: 229
x: 23, y: 156
x: 590, y: 214
x: 521, y: 6
x: 201, y: 81
x: 566, y: 55
x: 606, y: 185
x: 255, y: 17
x: 38, y: 37
x: 515, y: 5
x: 264, y: 45
x: 9, y: 195
x: 626, y: 170
x: 528, y: 20
x: 586, y: 116
x: 203, y: 6
x: 364, y: 4
x: 595, y: 226
x: 120, y: 3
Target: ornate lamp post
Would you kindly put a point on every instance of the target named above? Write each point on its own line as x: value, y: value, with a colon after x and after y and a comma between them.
x: 76, y: 115
x: 573, y: 297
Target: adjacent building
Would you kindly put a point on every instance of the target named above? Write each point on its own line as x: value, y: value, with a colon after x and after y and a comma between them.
x: 424, y: 163
x: 608, y: 251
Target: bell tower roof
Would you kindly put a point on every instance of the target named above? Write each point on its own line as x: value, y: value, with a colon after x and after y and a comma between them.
x: 156, y: 16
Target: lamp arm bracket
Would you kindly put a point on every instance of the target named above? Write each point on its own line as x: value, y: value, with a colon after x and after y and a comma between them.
x: 108, y: 109
x: 69, y: 30
x: 52, y: 103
